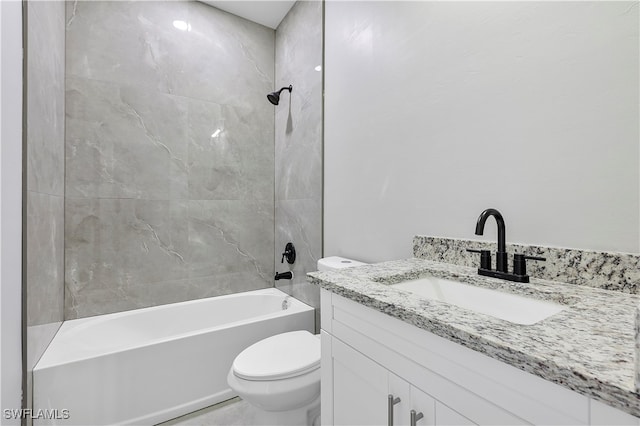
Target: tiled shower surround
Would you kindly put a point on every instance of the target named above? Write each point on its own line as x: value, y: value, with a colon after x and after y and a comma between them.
x: 44, y: 225
x: 45, y: 163
x: 298, y: 143
x: 169, y: 155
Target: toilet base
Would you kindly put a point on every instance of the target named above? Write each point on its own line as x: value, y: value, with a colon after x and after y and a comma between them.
x: 309, y: 415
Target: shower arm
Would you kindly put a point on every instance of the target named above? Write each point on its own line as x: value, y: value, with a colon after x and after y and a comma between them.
x: 274, y: 97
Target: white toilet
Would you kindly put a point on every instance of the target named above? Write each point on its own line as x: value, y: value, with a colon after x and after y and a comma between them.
x: 280, y: 375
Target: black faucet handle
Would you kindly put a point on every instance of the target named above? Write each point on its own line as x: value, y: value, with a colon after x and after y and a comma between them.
x: 289, y: 254
x: 520, y: 263
x: 485, y: 258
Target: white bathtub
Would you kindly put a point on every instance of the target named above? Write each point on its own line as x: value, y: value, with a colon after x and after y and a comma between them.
x: 150, y: 365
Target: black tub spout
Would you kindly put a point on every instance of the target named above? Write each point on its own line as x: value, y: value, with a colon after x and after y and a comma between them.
x: 284, y: 275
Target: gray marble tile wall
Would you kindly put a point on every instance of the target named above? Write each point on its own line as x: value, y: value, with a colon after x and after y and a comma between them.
x: 44, y: 218
x: 45, y: 161
x: 298, y: 141
x: 169, y: 155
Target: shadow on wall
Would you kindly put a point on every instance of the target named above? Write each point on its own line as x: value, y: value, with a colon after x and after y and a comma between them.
x: 289, y: 120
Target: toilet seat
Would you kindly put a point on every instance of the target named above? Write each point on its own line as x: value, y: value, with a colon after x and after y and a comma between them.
x: 282, y: 356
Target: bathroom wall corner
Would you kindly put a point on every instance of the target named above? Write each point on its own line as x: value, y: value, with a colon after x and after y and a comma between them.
x: 298, y: 148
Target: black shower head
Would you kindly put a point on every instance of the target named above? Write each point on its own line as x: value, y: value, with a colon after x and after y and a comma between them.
x: 274, y: 97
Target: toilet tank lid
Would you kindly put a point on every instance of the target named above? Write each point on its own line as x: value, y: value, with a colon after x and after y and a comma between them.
x: 281, y: 356
x: 333, y: 263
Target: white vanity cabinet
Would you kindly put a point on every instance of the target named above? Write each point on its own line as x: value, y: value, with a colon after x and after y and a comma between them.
x: 365, y: 393
x: 368, y: 394
x: 368, y: 355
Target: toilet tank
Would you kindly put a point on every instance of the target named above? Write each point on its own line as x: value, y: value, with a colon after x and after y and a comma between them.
x: 333, y: 263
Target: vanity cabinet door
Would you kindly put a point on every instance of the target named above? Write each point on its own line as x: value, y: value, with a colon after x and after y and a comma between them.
x: 399, y: 389
x: 411, y: 398
x: 365, y: 393
x: 423, y: 404
x: 360, y: 388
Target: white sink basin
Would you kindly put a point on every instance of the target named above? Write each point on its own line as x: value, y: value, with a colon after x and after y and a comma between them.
x: 507, y: 306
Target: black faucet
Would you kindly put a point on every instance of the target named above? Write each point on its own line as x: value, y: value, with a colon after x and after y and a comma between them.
x: 501, y: 254
x: 284, y: 275
x: 519, y: 260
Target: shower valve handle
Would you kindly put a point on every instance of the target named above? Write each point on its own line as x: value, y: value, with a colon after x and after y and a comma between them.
x: 289, y: 254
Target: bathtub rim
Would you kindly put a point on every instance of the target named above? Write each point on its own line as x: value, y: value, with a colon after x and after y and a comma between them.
x: 296, y: 306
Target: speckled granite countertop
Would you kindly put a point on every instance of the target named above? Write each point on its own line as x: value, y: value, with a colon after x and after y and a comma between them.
x: 589, y: 347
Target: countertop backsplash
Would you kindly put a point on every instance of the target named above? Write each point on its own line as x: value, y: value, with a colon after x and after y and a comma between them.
x: 605, y: 270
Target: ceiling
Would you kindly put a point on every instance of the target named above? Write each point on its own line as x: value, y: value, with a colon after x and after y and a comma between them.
x: 266, y: 12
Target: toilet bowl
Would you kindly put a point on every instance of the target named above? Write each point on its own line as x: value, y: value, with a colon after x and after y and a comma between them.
x: 280, y: 375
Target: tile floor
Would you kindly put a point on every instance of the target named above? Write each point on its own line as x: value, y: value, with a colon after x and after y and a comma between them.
x: 234, y: 412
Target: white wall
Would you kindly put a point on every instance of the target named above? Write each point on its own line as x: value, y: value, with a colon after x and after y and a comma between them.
x: 10, y: 206
x: 435, y: 111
